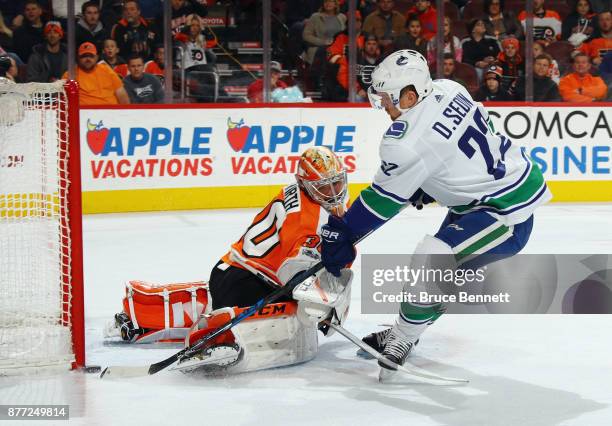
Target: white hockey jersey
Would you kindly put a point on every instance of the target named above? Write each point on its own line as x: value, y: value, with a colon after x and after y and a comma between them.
x: 447, y: 146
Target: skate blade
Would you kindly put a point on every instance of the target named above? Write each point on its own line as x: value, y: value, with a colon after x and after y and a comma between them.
x: 386, y: 375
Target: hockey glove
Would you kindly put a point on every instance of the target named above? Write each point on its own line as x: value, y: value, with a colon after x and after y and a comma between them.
x: 420, y: 198
x: 337, y: 250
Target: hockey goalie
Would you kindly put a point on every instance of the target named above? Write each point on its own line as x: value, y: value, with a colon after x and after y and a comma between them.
x: 282, y: 240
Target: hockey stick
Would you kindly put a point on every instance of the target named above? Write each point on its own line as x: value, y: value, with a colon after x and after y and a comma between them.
x: 421, y: 376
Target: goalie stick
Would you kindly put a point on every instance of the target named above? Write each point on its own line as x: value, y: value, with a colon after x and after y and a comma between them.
x: 421, y: 376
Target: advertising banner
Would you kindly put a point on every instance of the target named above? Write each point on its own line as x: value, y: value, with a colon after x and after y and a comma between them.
x: 251, y: 150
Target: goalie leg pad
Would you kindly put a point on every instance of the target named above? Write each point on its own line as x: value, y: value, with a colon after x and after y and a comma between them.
x: 274, y: 337
x: 159, y: 312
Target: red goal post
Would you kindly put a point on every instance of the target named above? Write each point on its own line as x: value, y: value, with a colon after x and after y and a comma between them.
x: 41, y: 249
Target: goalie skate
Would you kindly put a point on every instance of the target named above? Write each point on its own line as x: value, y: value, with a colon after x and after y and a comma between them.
x: 214, y: 359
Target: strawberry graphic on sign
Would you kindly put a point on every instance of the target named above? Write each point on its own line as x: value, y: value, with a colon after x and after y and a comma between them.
x: 237, y: 134
x: 96, y: 136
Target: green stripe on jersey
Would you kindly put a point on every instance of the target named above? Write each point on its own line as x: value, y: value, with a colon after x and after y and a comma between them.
x: 530, y: 187
x: 477, y: 245
x: 383, y: 206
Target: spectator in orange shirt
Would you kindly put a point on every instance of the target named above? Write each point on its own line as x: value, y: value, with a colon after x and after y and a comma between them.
x: 427, y: 15
x: 581, y: 85
x: 110, y: 56
x: 98, y: 83
x: 255, y: 89
x: 337, y: 57
x: 598, y: 47
x: 156, y: 65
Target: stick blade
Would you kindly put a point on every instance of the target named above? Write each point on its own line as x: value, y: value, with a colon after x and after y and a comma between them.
x: 123, y: 371
x: 159, y: 366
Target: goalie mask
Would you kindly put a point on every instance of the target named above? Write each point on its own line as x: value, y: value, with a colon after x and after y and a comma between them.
x: 321, y: 174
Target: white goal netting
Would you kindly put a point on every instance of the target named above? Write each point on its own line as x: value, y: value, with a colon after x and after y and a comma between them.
x: 35, y: 284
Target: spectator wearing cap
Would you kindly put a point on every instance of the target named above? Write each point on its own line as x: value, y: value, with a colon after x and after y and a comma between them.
x: 322, y: 27
x: 599, y: 46
x: 511, y: 62
x: 544, y: 88
x: 30, y: 33
x: 110, y: 56
x: 385, y: 23
x: 142, y: 88
x: 48, y: 61
x: 546, y: 22
x: 479, y: 49
x: 412, y: 38
x: 98, y: 83
x: 501, y: 23
x: 255, y: 89
x: 132, y: 33
x: 89, y: 27
x: 581, y: 85
x: 426, y: 13
x: 491, y: 89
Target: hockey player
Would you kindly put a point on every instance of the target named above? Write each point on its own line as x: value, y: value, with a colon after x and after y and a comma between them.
x: 282, y: 240
x: 440, y: 146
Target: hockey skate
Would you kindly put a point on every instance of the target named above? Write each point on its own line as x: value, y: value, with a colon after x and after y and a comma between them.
x: 376, y: 341
x: 396, y: 349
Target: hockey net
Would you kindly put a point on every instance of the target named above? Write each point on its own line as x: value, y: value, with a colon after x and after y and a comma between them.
x: 41, y: 285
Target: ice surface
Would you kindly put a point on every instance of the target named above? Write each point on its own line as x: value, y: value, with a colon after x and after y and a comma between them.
x: 524, y: 370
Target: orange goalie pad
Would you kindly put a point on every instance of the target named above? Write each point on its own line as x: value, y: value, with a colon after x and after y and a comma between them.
x: 154, y: 306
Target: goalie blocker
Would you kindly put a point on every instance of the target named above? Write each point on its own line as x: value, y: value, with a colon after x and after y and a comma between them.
x: 282, y: 241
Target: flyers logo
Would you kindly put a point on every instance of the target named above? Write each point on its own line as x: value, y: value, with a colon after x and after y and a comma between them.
x: 387, y: 168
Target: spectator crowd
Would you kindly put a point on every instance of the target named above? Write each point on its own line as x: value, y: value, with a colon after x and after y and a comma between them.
x: 483, y: 42
x: 120, y: 53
